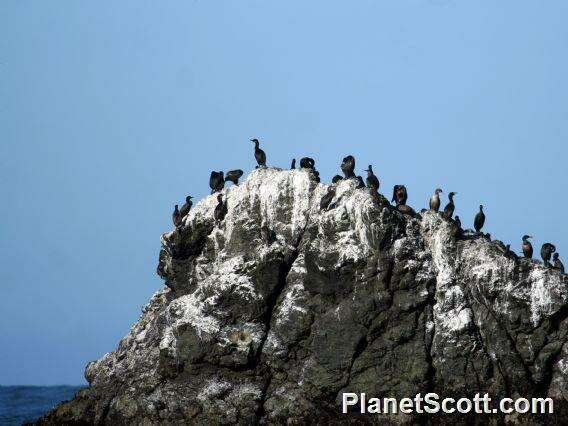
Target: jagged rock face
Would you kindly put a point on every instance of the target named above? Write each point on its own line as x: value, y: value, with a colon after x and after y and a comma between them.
x: 270, y: 316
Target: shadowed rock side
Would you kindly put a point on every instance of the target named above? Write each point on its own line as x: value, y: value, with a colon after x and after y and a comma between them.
x: 355, y: 298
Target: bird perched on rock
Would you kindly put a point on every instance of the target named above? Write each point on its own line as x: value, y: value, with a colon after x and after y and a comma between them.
x: 558, y: 263
x: 186, y: 207
x: 450, y: 207
x: 510, y: 254
x: 435, y: 200
x: 176, y: 217
x: 259, y: 154
x: 399, y: 194
x: 307, y: 163
x: 317, y: 175
x: 348, y: 167
x: 216, y: 181
x: 479, y: 220
x: 326, y: 199
x: 372, y: 180
x: 458, y: 227
x: 405, y: 209
x: 527, y: 247
x: 233, y: 176
x: 546, y: 252
x: 293, y: 166
x: 336, y: 179
x: 220, y: 210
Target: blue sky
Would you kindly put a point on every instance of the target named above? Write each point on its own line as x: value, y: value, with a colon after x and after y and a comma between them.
x: 111, y: 112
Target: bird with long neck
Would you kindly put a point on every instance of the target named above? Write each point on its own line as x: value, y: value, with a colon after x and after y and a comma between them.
x: 435, y: 200
x: 479, y: 220
x: 450, y: 207
x: 259, y: 154
x: 527, y: 247
x: 186, y: 207
x: 372, y: 180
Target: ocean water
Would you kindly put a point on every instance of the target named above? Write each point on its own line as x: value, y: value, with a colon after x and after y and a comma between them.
x: 19, y: 404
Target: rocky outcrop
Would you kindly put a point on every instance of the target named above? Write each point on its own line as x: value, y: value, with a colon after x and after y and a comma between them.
x: 271, y: 316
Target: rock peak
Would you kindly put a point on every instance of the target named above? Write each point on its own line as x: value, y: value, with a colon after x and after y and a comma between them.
x: 273, y: 314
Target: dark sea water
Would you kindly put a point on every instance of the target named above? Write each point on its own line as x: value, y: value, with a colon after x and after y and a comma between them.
x: 19, y: 404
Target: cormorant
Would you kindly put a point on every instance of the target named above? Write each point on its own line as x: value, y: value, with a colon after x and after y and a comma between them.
x: 558, y: 263
x: 510, y: 253
x: 405, y: 209
x: 326, y: 199
x: 399, y: 194
x: 293, y: 166
x: 450, y: 207
x: 220, y: 210
x: 317, y: 175
x: 479, y: 220
x: 176, y: 217
x: 336, y: 179
x: 216, y: 181
x: 259, y: 154
x: 307, y: 163
x: 458, y: 221
x: 458, y: 224
x: 372, y: 180
x: 527, y: 247
x: 186, y: 207
x: 435, y: 200
x: 546, y: 252
x: 348, y: 166
x: 360, y: 182
x: 233, y: 176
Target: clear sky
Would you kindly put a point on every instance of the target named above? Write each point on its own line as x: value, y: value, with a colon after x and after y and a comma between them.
x: 111, y: 112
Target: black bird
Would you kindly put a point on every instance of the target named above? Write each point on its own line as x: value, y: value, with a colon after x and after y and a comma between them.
x: 479, y: 220
x: 336, y: 179
x: 317, y: 175
x: 435, y: 200
x: 216, y: 181
x: 259, y: 154
x: 293, y: 166
x: 372, y: 180
x: 405, y: 209
x: 326, y: 199
x: 307, y: 163
x: 527, y: 247
x: 186, y: 207
x: 546, y: 252
x: 458, y: 221
x: 176, y: 217
x: 360, y: 183
x: 458, y: 224
x: 510, y: 253
x: 450, y: 207
x: 558, y: 263
x: 233, y: 176
x: 348, y: 166
x: 220, y: 210
x: 399, y: 194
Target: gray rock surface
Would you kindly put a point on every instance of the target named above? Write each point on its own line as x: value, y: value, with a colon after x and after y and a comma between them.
x: 358, y: 298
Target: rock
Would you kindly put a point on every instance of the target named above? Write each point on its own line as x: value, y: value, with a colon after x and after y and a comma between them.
x: 358, y: 298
